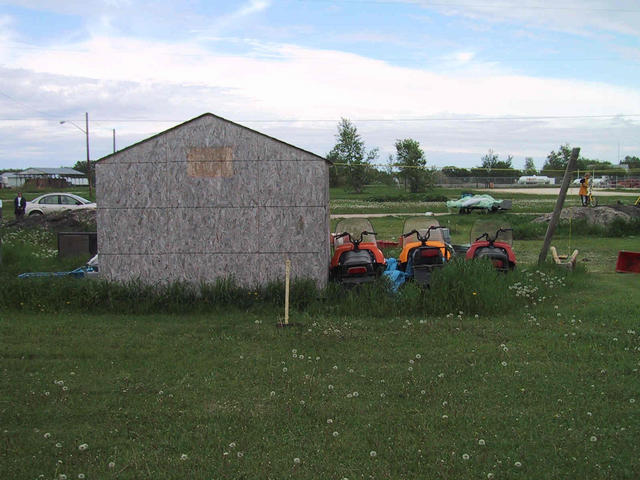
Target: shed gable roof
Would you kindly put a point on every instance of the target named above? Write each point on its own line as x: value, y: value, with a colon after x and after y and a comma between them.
x: 217, y: 118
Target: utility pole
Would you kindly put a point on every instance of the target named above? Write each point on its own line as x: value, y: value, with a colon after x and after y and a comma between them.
x: 114, y: 140
x: 86, y: 118
x: 559, y: 203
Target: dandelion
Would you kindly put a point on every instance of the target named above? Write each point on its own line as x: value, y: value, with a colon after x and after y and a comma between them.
x: 62, y: 476
x: 183, y: 457
x: 593, y: 438
x: 465, y: 456
x: 58, y: 445
x: 284, y: 369
x: 418, y: 356
x: 296, y: 461
x: 489, y: 475
x: 349, y: 395
x: 423, y: 392
x: 47, y: 435
x: 112, y: 465
x: 335, y: 367
x: 81, y: 476
x: 232, y: 445
x: 412, y: 361
x: 355, y: 394
x: 481, y: 442
x: 504, y: 364
x: 83, y: 447
x: 330, y: 387
x: 240, y: 454
x: 65, y: 388
x: 518, y: 464
x: 372, y: 453
x: 294, y: 351
x: 273, y: 394
x: 335, y: 434
x: 445, y: 416
x: 632, y: 400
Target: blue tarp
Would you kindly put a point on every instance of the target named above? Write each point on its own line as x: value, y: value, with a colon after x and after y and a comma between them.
x: 396, y: 277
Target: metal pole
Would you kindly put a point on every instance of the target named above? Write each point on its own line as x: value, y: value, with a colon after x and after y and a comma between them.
x: 559, y: 203
x: 86, y: 119
x: 114, y: 140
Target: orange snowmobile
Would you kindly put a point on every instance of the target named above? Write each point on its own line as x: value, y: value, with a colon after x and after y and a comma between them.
x: 424, y: 248
x: 356, y: 258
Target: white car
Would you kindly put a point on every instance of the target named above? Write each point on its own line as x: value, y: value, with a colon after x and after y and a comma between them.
x: 57, y: 202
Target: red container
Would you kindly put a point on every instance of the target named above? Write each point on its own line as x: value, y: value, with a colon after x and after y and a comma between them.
x: 628, y: 262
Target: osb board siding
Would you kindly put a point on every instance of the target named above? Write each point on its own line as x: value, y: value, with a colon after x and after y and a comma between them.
x: 214, y: 230
x: 249, y: 270
x: 160, y: 220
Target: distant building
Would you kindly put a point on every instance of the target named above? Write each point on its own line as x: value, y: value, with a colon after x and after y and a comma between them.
x: 18, y: 179
x: 211, y: 199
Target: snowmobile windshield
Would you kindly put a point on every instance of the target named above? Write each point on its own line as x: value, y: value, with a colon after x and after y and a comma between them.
x: 491, y: 231
x: 355, y: 226
x: 422, y: 224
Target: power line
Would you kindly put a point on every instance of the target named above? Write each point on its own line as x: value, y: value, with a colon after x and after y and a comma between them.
x: 360, y: 120
x: 485, y: 6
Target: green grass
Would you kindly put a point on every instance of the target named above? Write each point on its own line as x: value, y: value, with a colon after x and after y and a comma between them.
x: 555, y: 389
x: 534, y: 376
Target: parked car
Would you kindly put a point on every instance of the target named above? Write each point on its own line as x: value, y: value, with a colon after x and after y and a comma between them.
x: 57, y: 202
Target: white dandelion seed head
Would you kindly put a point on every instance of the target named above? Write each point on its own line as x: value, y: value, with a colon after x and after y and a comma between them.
x: 296, y: 461
x: 329, y: 421
x: 418, y: 356
x: 373, y: 453
x: 489, y: 475
x: 330, y: 387
x: 335, y: 434
x: 240, y: 454
x: 504, y: 364
x: 518, y: 464
x: 335, y: 367
x: 410, y: 369
x: 183, y: 457
x: 232, y: 445
x: 112, y: 464
x: 412, y: 361
x: 83, y: 447
x: 81, y: 476
x: 58, y: 445
x: 465, y: 456
x: 62, y: 476
x: 284, y: 369
x: 47, y: 435
x: 481, y: 442
x: 294, y: 351
x: 355, y: 394
x: 593, y: 438
x: 423, y: 392
x: 273, y: 394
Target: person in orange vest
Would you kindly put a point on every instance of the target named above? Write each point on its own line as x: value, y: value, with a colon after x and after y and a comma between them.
x: 584, y: 189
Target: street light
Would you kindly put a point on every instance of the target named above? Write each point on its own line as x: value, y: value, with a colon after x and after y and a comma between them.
x: 86, y: 132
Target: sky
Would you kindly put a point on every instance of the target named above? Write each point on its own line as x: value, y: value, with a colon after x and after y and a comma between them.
x: 461, y: 77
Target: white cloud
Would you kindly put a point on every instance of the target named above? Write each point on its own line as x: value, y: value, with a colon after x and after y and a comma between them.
x: 116, y: 78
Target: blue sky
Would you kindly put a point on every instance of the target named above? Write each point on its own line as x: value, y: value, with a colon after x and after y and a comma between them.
x: 461, y: 77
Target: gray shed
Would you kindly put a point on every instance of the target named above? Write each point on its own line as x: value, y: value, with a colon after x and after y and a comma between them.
x: 211, y: 199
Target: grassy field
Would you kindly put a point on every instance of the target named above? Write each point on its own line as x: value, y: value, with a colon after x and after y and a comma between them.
x: 528, y: 375
x: 544, y: 392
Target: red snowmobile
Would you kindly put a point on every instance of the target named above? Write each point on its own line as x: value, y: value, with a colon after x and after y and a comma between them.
x: 492, y: 241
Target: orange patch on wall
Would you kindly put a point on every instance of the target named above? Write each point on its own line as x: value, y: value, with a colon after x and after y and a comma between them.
x: 210, y: 162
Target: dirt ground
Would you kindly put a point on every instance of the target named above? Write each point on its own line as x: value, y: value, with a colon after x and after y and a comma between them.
x: 69, y: 221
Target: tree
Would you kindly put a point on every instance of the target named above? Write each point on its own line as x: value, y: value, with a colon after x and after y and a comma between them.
x: 493, y: 166
x: 633, y: 162
x: 529, y: 166
x: 350, y: 154
x: 81, y: 166
x: 412, y: 162
x: 556, y: 162
x: 451, y: 171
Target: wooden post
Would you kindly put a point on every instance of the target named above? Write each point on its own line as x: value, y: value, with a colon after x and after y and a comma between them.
x: 287, y: 275
x: 558, y: 209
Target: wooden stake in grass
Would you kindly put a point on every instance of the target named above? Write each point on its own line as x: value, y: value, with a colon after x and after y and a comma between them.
x: 287, y: 275
x: 558, y: 209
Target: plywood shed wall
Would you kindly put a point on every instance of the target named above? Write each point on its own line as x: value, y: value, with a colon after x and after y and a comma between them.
x: 212, y: 199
